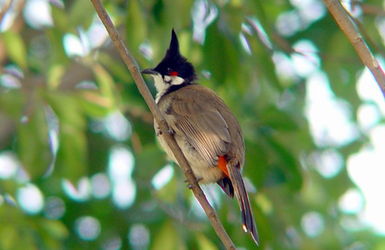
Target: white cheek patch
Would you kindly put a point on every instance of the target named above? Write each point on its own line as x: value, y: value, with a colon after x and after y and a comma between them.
x: 160, y: 85
x: 163, y: 83
x: 167, y: 79
x: 176, y: 80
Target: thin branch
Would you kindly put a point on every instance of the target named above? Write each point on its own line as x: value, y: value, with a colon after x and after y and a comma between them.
x: 371, y: 9
x: 347, y: 26
x: 279, y: 43
x: 361, y: 27
x: 368, y: 9
x: 132, y: 66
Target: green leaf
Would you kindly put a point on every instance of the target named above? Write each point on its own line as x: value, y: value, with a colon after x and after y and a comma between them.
x: 81, y: 14
x: 169, y: 192
x: 204, y: 243
x: 150, y: 160
x: 287, y: 163
x: 9, y: 236
x: 57, y: 52
x: 15, y: 48
x: 71, y: 159
x: 11, y: 104
x: 116, y: 67
x: 277, y: 119
x: 106, y: 84
x: 93, y: 104
x: 33, y: 142
x: 221, y: 56
x: 136, y: 24
x: 265, y: 67
x: 177, y: 14
x: 232, y: 16
x: 55, y: 229
x: 167, y: 238
x: 60, y: 19
x: 256, y: 163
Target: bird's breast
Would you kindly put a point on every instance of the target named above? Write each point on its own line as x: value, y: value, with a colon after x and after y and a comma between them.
x: 204, y: 171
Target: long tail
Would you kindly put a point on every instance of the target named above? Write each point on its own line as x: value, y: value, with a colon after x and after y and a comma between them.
x: 243, y: 201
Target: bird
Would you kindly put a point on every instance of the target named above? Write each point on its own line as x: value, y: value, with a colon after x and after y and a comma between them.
x: 207, y: 132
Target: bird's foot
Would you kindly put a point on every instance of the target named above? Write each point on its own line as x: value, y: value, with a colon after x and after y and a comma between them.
x: 189, y: 186
x: 170, y: 131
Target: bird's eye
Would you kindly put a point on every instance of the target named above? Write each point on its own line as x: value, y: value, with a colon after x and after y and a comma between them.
x: 172, y: 72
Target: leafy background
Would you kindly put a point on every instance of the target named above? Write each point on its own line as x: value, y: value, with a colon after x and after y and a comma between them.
x: 79, y: 165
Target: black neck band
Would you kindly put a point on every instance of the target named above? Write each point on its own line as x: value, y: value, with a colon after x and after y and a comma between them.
x: 176, y: 87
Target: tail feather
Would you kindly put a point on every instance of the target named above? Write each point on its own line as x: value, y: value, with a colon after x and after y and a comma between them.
x: 243, y: 201
x: 226, y: 186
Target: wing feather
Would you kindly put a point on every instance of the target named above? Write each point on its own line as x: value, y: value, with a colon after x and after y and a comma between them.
x: 203, y: 126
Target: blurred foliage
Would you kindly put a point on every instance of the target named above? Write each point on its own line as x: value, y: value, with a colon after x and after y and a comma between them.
x: 63, y: 90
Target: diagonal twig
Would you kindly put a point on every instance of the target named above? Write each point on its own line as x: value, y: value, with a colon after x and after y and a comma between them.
x: 361, y: 28
x: 132, y: 66
x: 347, y: 26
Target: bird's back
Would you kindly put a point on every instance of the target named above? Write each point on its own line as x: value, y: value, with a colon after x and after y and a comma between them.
x: 190, y: 102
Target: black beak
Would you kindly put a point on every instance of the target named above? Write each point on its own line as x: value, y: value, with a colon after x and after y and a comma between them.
x: 149, y: 71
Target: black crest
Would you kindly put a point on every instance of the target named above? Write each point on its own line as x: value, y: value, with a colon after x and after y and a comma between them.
x: 174, y: 63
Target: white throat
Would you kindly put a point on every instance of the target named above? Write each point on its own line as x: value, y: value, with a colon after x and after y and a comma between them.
x: 162, y: 84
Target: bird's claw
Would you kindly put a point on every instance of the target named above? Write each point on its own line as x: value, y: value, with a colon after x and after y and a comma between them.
x: 189, y: 185
x: 170, y: 131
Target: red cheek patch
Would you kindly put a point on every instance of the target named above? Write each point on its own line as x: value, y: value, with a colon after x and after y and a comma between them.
x: 174, y: 73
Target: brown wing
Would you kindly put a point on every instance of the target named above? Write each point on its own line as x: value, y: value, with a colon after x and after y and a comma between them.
x: 197, y: 115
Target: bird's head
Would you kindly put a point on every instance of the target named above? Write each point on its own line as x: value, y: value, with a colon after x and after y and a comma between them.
x: 173, y: 70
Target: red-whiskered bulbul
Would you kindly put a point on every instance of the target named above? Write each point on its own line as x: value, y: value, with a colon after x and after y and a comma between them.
x: 205, y: 129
